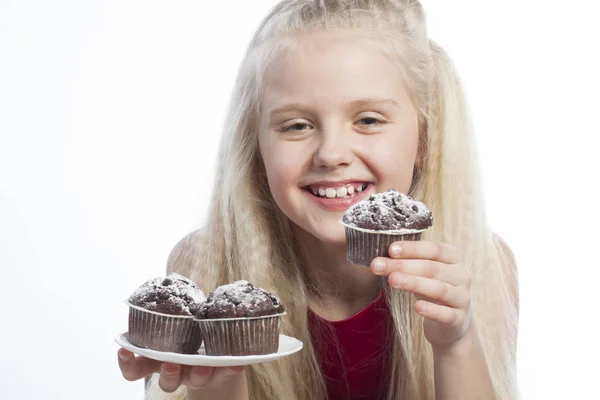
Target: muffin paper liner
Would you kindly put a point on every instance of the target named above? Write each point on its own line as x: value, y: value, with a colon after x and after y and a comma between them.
x: 163, y: 332
x: 241, y: 336
x: 363, y: 245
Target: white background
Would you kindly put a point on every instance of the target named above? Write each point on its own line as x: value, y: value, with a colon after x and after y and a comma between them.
x: 110, y: 113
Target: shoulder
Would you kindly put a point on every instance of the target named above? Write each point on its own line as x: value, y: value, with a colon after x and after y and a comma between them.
x: 509, y: 266
x: 505, y: 251
x: 184, y: 252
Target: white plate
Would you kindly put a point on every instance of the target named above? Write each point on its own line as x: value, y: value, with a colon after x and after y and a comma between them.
x: 287, y: 345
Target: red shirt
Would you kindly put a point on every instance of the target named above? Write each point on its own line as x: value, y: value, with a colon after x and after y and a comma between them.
x: 353, y: 353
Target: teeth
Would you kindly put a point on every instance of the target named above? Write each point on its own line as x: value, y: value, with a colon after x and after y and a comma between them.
x: 340, y: 192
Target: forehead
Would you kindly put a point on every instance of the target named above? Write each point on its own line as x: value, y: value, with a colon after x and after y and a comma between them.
x: 332, y: 69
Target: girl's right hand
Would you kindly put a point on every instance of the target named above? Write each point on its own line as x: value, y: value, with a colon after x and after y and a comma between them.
x: 225, y: 379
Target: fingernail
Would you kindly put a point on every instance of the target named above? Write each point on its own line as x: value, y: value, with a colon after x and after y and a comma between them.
x: 379, y: 265
x: 399, y: 280
x: 395, y: 250
x: 124, y: 357
x: 237, y: 369
x: 201, y: 372
x: 171, y: 368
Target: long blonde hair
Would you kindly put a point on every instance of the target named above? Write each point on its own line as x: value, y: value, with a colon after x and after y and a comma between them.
x: 248, y: 237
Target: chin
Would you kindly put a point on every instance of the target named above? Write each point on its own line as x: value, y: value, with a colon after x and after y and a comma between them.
x: 332, y: 234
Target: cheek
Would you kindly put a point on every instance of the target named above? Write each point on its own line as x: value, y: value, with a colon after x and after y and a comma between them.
x: 393, y: 157
x: 275, y: 177
x: 282, y: 166
x: 282, y: 179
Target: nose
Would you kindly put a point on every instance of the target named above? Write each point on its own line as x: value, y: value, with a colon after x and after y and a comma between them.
x: 334, y: 150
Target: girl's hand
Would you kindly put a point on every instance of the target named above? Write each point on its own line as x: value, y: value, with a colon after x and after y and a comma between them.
x: 174, y: 375
x: 436, y: 274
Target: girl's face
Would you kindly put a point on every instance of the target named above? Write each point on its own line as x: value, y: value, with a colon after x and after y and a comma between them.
x: 337, y: 125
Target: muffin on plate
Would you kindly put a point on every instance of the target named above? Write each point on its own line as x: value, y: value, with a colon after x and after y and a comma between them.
x: 240, y: 319
x: 372, y: 225
x: 161, y: 315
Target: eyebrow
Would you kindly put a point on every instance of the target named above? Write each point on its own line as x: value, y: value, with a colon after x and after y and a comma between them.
x: 352, y: 104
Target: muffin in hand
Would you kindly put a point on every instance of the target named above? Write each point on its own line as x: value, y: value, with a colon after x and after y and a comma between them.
x: 372, y: 225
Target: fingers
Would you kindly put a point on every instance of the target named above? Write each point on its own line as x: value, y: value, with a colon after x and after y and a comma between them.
x: 170, y: 377
x: 436, y: 290
x: 199, y: 377
x: 440, y: 313
x: 134, y: 368
x: 455, y: 274
x: 174, y: 375
x: 422, y: 249
x: 223, y: 375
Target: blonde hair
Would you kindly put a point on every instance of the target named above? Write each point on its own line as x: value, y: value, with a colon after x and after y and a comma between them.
x: 248, y: 237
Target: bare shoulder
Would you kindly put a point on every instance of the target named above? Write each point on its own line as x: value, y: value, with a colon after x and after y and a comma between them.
x: 506, y: 250
x: 184, y: 252
x: 509, y: 266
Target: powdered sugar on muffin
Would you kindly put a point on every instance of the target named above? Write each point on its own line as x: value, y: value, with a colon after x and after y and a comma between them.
x: 389, y: 211
x: 239, y: 299
x: 174, y: 295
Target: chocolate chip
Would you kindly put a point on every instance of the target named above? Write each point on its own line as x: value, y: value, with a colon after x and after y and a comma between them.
x: 163, y: 295
x: 415, y: 208
x: 167, y: 282
x: 400, y: 217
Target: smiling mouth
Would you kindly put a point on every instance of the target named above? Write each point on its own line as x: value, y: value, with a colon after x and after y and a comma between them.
x: 345, y: 191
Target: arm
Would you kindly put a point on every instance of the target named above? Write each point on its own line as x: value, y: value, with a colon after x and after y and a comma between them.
x: 463, y: 364
x: 461, y: 368
x: 436, y: 273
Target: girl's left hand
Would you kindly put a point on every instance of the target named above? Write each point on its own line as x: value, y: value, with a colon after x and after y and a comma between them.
x: 436, y: 274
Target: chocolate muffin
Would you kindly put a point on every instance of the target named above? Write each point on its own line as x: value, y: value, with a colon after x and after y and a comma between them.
x: 372, y: 225
x: 389, y: 211
x: 240, y: 319
x: 161, y: 315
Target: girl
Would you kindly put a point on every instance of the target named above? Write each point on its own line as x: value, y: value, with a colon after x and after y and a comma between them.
x: 339, y: 94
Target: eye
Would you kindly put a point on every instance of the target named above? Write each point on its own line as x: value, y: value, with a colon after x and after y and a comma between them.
x: 296, y: 127
x: 299, y: 126
x: 371, y: 121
